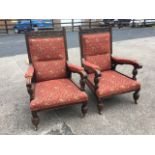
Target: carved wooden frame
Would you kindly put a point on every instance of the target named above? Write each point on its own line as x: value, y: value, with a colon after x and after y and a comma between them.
x: 97, y: 72
x: 32, y: 80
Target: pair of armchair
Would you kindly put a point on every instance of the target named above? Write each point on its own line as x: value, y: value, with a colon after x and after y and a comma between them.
x: 48, y: 78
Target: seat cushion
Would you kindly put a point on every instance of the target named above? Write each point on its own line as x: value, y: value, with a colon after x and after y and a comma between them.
x: 47, y: 70
x: 55, y: 93
x: 112, y: 83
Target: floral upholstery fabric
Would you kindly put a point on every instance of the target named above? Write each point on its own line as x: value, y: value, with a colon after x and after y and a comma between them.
x: 54, y: 93
x: 100, y: 60
x: 75, y: 68
x: 90, y: 65
x: 112, y: 83
x: 96, y: 49
x: 47, y: 70
x: 48, y: 57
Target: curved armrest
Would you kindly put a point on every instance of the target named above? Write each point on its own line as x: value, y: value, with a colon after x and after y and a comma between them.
x: 29, y: 75
x: 95, y: 69
x: 118, y: 60
x: 92, y: 67
x: 136, y: 65
x: 77, y: 69
x: 30, y: 72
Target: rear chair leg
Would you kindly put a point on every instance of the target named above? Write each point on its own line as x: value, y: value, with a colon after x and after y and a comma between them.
x: 84, y: 108
x: 35, y: 119
x: 136, y: 96
x: 100, y: 106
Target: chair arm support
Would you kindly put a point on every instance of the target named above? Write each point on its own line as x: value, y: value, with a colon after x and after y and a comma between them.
x: 121, y: 61
x: 77, y: 69
x: 92, y: 67
x: 95, y: 69
x: 80, y: 70
x: 30, y: 86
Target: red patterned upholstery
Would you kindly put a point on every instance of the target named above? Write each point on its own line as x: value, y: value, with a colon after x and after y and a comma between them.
x: 90, y: 65
x: 96, y: 49
x: 75, y: 68
x: 112, y: 83
x: 47, y: 70
x: 103, y: 61
x: 54, y: 93
x: 48, y: 57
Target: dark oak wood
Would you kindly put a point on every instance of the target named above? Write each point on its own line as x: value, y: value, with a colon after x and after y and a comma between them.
x: 84, y: 109
x: 136, y: 96
x: 82, y: 84
x: 134, y: 72
x: 35, y: 119
x: 100, y: 106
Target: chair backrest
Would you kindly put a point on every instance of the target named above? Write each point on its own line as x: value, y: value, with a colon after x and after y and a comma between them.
x: 96, y: 46
x: 47, y: 51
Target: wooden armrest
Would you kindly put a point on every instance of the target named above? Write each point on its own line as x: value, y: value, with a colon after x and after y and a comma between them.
x: 118, y: 60
x: 92, y: 67
x: 77, y: 69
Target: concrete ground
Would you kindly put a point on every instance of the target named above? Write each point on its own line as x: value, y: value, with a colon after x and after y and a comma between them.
x: 120, y: 115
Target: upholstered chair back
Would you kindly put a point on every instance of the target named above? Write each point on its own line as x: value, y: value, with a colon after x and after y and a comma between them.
x: 96, y: 49
x: 48, y: 57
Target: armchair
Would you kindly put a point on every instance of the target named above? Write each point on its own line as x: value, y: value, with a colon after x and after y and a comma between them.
x: 98, y: 62
x: 48, y: 78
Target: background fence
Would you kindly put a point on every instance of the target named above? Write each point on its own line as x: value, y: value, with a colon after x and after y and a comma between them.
x: 7, y: 25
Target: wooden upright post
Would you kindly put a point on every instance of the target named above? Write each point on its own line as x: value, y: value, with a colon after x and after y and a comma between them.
x: 6, y: 26
x: 72, y: 25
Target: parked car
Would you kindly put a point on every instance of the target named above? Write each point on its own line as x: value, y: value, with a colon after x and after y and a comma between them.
x: 115, y: 22
x: 122, y: 22
x: 107, y: 22
x: 149, y: 22
x: 28, y: 25
x: 142, y: 22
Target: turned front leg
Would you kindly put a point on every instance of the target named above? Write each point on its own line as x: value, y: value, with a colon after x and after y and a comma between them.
x: 136, y: 96
x: 100, y: 106
x: 35, y: 119
x: 84, y: 108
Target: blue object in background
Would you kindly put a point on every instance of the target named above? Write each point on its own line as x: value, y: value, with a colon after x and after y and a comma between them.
x: 28, y: 25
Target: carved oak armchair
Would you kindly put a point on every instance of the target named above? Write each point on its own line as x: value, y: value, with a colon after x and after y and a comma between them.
x: 49, y: 82
x: 97, y: 59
